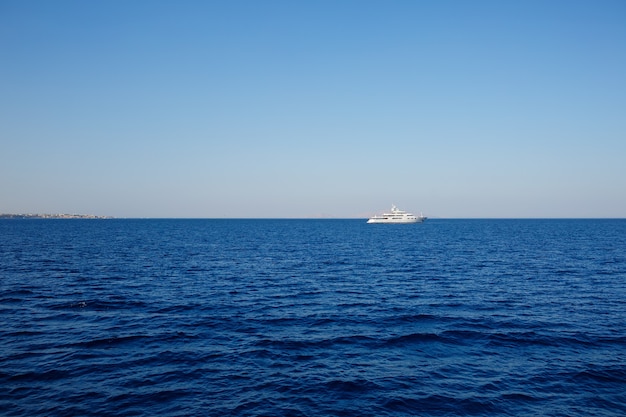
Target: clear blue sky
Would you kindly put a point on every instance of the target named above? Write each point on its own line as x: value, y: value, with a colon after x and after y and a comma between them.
x: 313, y: 108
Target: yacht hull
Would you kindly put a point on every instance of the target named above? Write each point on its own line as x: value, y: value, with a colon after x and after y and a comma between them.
x: 395, y: 221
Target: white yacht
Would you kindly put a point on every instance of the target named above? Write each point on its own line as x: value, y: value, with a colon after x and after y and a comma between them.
x: 397, y: 216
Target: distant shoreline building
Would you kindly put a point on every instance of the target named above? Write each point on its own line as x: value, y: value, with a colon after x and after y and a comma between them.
x: 52, y: 216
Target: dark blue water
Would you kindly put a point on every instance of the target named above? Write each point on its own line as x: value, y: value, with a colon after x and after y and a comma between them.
x: 312, y: 318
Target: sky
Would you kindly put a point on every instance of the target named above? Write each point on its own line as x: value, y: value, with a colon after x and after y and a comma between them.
x: 211, y: 109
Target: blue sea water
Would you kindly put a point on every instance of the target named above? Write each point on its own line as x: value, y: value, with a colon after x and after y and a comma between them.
x: 312, y: 318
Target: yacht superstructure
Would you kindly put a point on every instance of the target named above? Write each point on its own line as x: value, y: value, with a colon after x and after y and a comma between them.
x: 396, y: 216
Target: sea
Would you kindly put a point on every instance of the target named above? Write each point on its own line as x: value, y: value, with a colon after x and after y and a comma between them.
x: 329, y: 317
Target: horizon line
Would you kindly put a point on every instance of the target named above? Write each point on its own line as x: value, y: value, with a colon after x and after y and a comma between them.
x: 64, y: 216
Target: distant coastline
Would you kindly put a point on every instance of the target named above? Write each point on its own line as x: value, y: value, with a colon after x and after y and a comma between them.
x: 52, y: 216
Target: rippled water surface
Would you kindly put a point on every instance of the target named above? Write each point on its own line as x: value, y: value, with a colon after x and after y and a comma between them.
x: 312, y: 318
